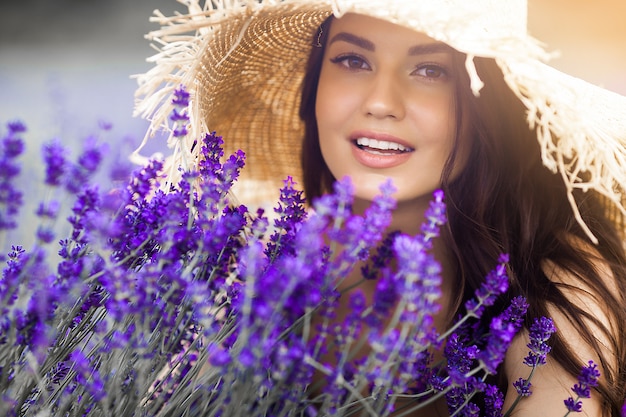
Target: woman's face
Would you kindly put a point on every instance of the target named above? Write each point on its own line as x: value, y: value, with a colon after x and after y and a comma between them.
x: 385, y: 107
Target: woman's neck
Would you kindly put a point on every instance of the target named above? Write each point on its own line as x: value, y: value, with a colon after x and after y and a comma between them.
x: 408, y: 215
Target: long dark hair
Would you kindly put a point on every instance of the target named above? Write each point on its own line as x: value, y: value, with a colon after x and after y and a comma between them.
x: 506, y: 201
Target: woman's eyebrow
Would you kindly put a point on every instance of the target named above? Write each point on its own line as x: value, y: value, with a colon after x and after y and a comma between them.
x: 355, y: 40
x: 422, y: 49
x: 430, y: 48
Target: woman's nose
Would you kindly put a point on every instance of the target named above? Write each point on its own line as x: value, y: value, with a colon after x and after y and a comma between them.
x: 384, y: 98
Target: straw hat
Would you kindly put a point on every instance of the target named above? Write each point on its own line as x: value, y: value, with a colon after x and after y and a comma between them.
x: 243, y: 62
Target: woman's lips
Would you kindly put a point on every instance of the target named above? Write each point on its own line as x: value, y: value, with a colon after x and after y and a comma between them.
x: 378, y: 150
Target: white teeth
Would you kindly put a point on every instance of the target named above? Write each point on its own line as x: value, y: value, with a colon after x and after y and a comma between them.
x: 380, y: 144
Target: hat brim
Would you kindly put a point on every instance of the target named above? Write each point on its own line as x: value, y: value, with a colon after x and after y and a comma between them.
x: 244, y: 68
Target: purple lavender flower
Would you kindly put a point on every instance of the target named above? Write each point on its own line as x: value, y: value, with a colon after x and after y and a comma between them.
x: 8, y: 168
x: 418, y: 280
x: 81, y: 173
x: 217, y: 178
x: 48, y: 210
x: 385, y: 298
x: 211, y: 151
x: 439, y: 382
x: 587, y: 379
x: 290, y: 368
x: 45, y: 234
x: 435, y: 216
x: 470, y: 409
x: 573, y: 405
x: 71, y: 266
x: 540, y: 332
x: 55, y: 162
x: 501, y: 333
x: 494, y: 401
x: 357, y: 305
x: 57, y: 374
x: 92, y: 298
x: 378, y: 214
x: 385, y: 345
x: 29, y: 299
x: 180, y: 130
x: 9, y: 283
x: 40, y: 311
x: 283, y: 290
x: 414, y: 290
x: 92, y: 154
x: 143, y: 180
x: 218, y: 356
x: 181, y: 97
x: 355, y: 235
x: 11, y: 199
x: 231, y: 169
x: 16, y: 126
x: 105, y: 125
x: 460, y: 355
x: 87, y: 375
x: 86, y: 202
x: 336, y: 207
x: 522, y: 386
x: 291, y: 213
x: 458, y: 398
x: 496, y: 283
x: 11, y: 146
x: 179, y: 114
x: 142, y: 217
x: 516, y: 311
x: 120, y: 170
x: 381, y: 259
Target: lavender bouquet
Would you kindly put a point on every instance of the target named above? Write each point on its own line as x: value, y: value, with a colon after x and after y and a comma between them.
x: 183, y: 303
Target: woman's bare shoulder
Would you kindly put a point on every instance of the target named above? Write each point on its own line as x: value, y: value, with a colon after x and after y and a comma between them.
x: 551, y: 384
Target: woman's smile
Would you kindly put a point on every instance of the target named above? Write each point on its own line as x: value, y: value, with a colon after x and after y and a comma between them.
x: 378, y: 151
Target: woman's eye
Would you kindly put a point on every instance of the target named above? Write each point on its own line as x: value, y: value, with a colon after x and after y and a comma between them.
x: 351, y: 62
x: 431, y: 71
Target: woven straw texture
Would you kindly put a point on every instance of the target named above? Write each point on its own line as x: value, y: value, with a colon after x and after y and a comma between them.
x: 257, y: 109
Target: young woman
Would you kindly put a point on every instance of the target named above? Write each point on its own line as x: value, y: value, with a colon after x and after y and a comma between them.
x: 385, y: 102
x: 433, y: 95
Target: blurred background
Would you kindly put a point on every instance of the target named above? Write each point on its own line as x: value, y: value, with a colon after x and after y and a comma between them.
x: 66, y: 65
x: 590, y: 36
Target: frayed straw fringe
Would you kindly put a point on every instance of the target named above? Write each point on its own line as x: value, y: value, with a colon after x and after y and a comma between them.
x: 180, y: 43
x: 581, y: 130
